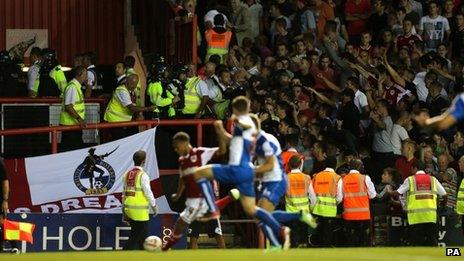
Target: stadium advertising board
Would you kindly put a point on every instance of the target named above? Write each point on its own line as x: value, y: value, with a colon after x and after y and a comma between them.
x: 87, y: 232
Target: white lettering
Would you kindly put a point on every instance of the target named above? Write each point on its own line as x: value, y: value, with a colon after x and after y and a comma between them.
x: 118, y: 237
x: 441, y: 235
x: 70, y: 203
x: 397, y: 221
x: 71, y: 242
x: 46, y: 238
x: 50, y: 208
x: 112, y: 202
x: 443, y: 221
x: 91, y: 202
x: 22, y: 210
x: 97, y: 241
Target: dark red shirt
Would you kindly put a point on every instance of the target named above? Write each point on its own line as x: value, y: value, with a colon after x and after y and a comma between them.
x: 197, y: 157
x: 403, y: 41
x: 404, y: 167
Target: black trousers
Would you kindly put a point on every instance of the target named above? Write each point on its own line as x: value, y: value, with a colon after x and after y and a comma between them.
x: 425, y: 234
x: 139, y: 231
x: 71, y: 140
x: 325, y: 230
x: 299, y: 233
x: 358, y: 233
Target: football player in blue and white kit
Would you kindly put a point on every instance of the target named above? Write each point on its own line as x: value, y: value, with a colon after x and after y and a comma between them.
x: 271, y: 174
x: 453, y: 115
x: 240, y: 170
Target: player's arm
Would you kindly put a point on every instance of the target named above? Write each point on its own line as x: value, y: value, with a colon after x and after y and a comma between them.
x: 440, y: 122
x: 265, y: 167
x: 224, y: 136
x: 180, y: 189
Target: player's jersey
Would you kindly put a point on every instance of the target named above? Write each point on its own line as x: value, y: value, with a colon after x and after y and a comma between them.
x: 267, y: 145
x: 457, y: 108
x: 197, y: 157
x: 241, y: 145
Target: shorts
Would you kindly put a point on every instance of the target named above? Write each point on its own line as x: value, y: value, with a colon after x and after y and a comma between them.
x: 240, y: 176
x: 274, y: 191
x: 194, y: 208
x: 212, y: 228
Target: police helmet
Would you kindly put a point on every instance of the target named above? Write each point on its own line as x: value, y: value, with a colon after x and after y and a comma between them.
x: 48, y: 54
x: 158, y: 58
x: 179, y: 69
x: 5, y: 57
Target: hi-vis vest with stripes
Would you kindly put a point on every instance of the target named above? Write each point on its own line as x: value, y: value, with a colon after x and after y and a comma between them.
x: 296, y: 198
x: 422, y: 199
x: 217, y: 43
x: 460, y: 200
x: 325, y: 188
x: 136, y: 205
x: 58, y: 76
x: 79, y: 105
x: 355, y: 197
x: 191, y: 97
x: 116, y: 111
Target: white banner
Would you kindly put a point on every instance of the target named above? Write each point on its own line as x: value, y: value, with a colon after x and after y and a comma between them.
x: 90, y: 180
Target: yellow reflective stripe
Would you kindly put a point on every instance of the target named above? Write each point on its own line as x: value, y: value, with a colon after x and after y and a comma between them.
x: 136, y: 207
x: 355, y: 194
x: 348, y: 210
x: 421, y: 210
x: 326, y: 203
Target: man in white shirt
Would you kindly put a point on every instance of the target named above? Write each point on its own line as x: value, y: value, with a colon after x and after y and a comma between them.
x: 399, y: 132
x: 434, y: 28
x: 139, y: 228
x: 209, y: 18
x: 33, y: 73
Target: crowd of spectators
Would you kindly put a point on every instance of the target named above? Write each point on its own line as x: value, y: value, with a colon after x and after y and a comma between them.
x: 346, y: 79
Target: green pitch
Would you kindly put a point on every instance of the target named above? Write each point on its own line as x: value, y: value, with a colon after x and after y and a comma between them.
x: 341, y: 254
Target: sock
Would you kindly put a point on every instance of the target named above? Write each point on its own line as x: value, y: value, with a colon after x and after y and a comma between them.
x: 268, y: 220
x: 283, y: 217
x: 171, y: 242
x: 223, y: 202
x: 208, y: 193
x: 269, y: 234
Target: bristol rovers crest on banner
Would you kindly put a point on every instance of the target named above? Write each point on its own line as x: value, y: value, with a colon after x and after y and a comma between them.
x: 94, y: 176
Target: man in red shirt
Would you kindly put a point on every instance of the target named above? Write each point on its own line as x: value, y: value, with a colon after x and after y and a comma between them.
x: 408, y: 38
x: 405, y: 163
x: 189, y: 160
x: 323, y: 69
x: 357, y: 12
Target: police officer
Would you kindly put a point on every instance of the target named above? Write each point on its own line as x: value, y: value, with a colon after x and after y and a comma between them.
x: 178, y: 86
x: 94, y: 85
x: 33, y: 72
x: 122, y: 106
x: 73, y: 110
x: 159, y: 92
x: 137, y: 200
x: 421, y: 192
x: 10, y: 83
x: 52, y: 80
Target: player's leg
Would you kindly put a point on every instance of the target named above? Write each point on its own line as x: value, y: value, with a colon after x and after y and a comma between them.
x: 234, y: 195
x: 179, y: 228
x: 203, y: 175
x: 215, y: 230
x: 193, y: 234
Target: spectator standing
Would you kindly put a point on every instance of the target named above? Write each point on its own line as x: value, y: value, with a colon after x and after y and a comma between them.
x: 304, y: 18
x: 357, y: 12
x: 255, y: 9
x: 93, y: 86
x: 457, y: 37
x: 323, y: 13
x: 405, y: 163
x: 449, y: 179
x: 399, y: 132
x: 434, y: 28
x: 241, y: 21
x: 378, y: 21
